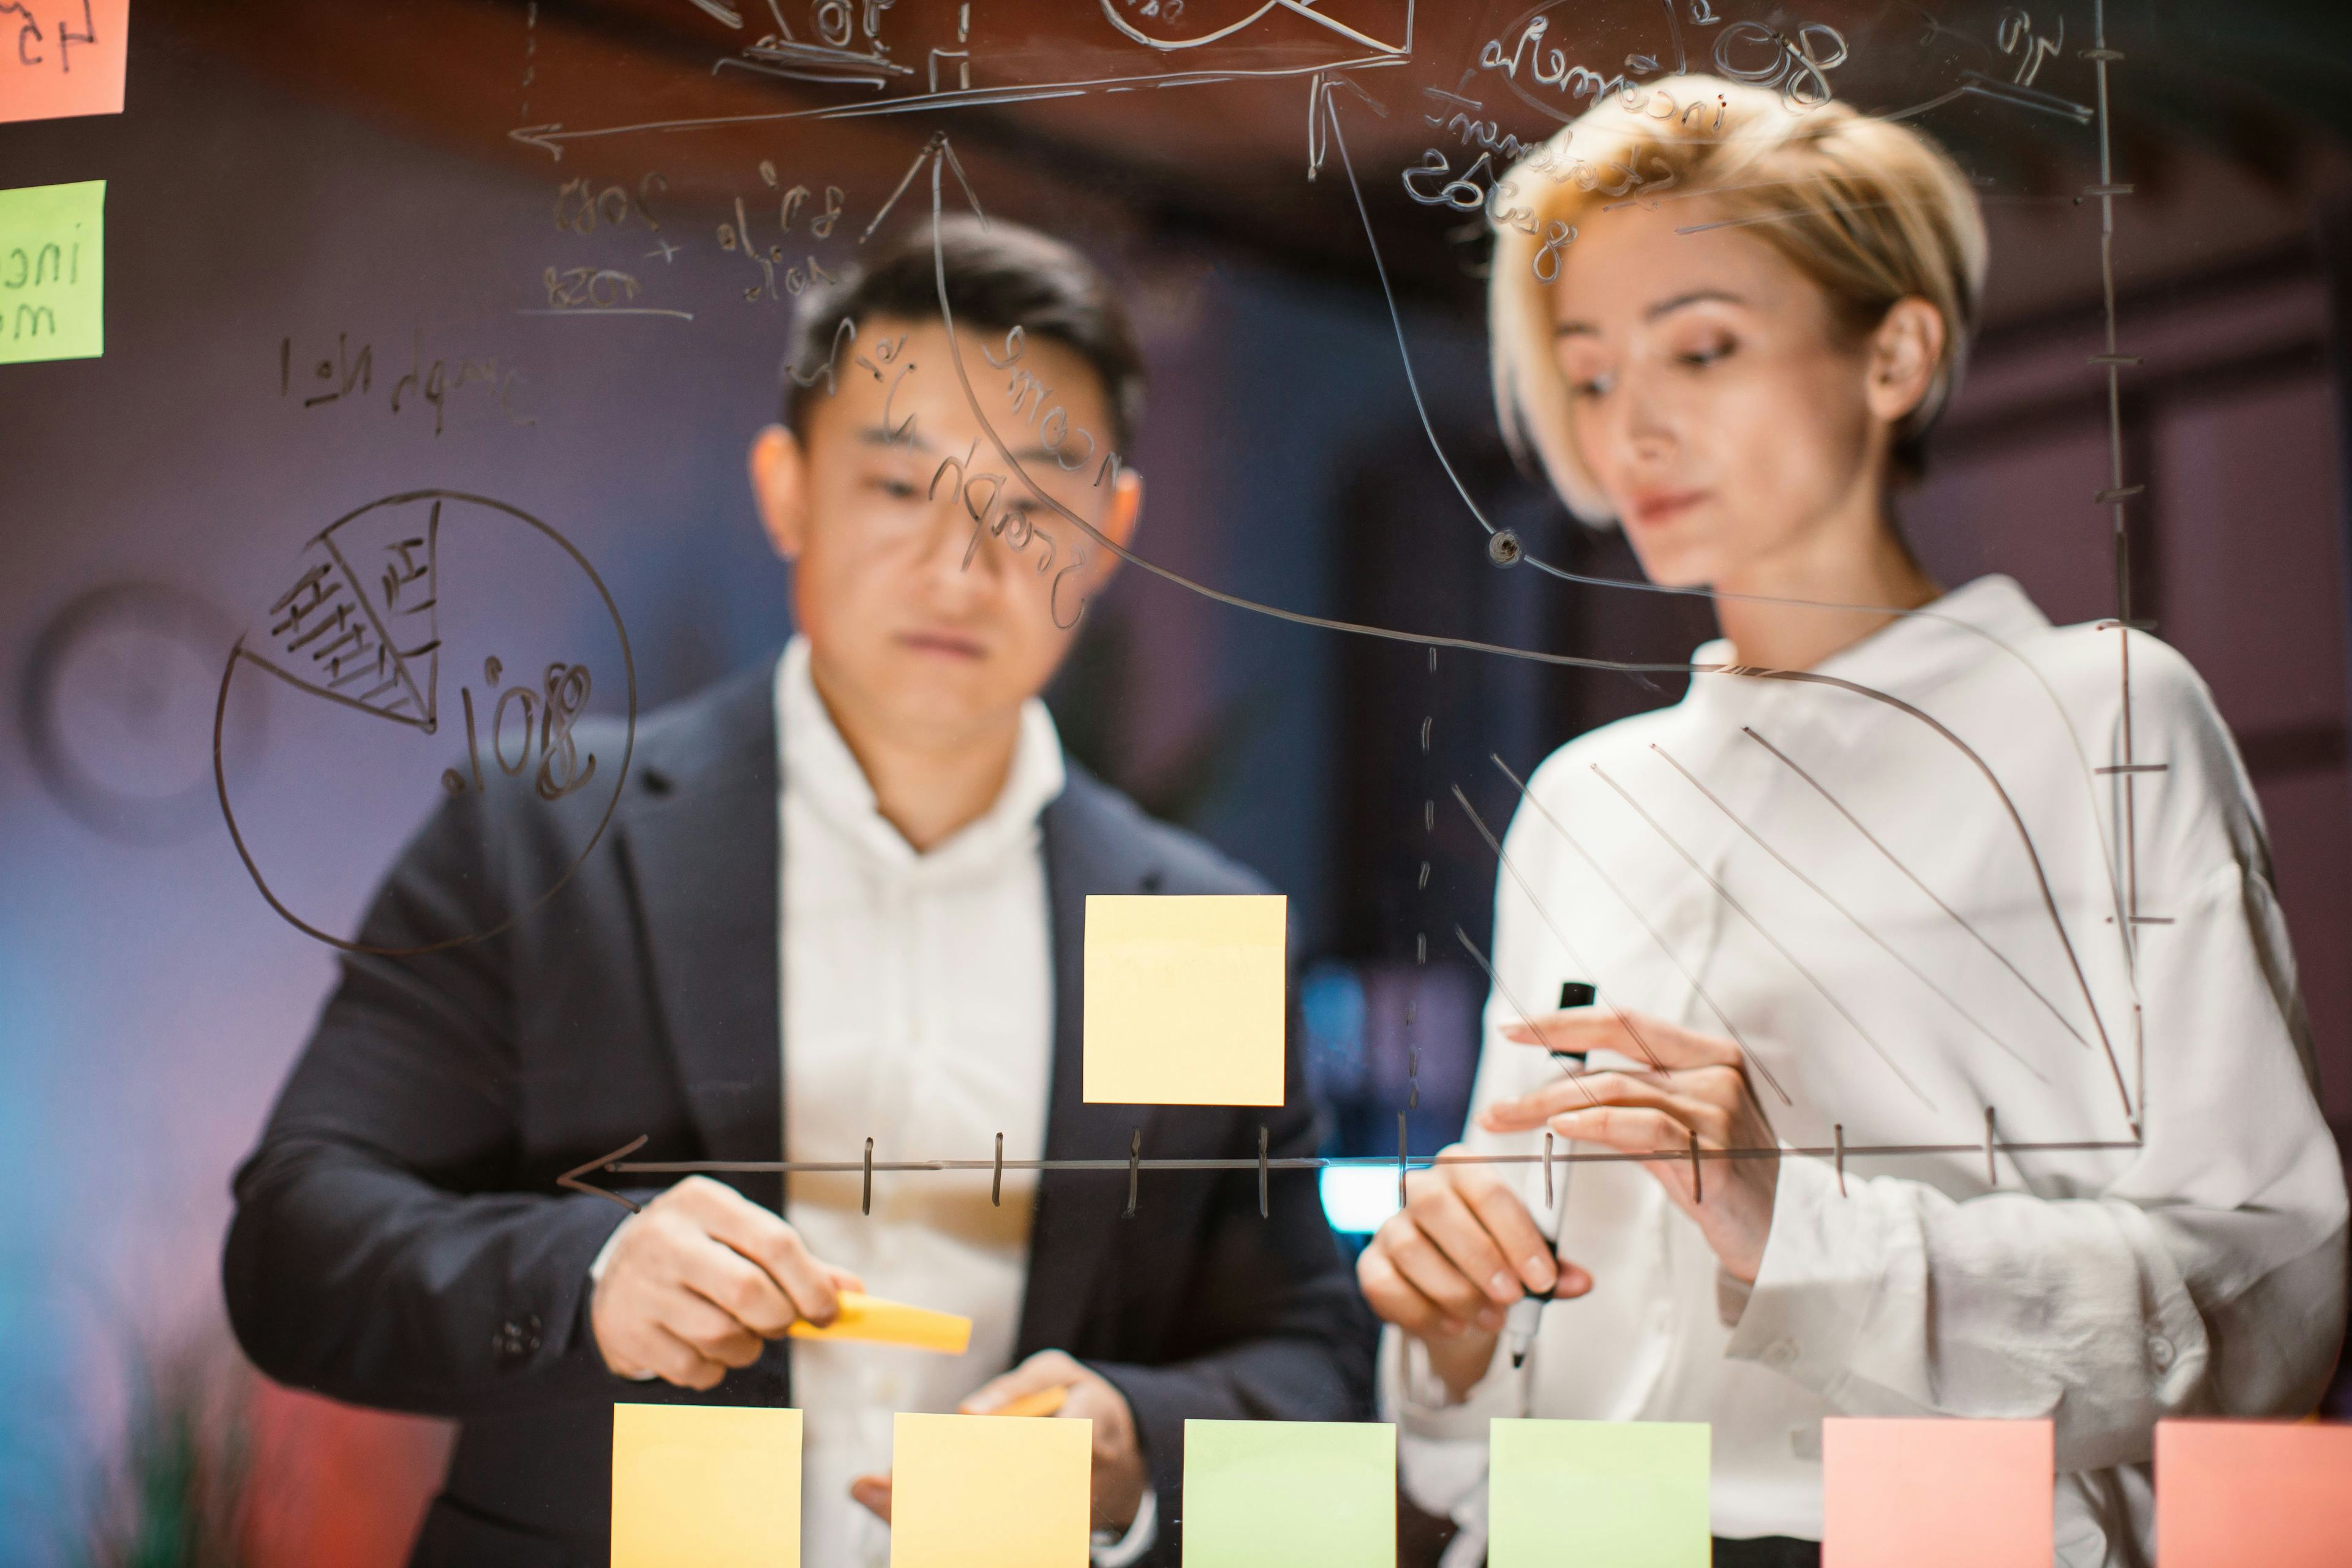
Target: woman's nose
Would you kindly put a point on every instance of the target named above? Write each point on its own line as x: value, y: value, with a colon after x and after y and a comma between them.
x: 1648, y: 431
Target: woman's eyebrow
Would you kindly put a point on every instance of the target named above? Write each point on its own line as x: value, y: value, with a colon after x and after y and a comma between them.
x: 1667, y: 307
x: 1663, y: 308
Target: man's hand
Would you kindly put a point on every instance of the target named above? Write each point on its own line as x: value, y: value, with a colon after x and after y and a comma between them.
x: 1119, y: 1474
x: 698, y: 1280
x: 1446, y: 1267
x: 1695, y: 1087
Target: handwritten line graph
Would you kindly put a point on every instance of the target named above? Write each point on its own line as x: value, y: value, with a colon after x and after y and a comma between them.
x: 939, y: 156
x: 938, y: 159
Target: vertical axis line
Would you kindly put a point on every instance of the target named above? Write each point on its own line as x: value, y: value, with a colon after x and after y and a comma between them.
x: 2101, y: 57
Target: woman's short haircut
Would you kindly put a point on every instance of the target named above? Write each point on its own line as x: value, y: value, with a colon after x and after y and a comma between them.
x: 1872, y: 211
x: 1000, y: 276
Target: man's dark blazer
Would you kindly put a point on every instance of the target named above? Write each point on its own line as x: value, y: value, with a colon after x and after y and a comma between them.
x: 400, y: 1240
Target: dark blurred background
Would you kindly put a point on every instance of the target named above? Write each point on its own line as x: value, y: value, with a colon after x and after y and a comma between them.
x: 293, y: 184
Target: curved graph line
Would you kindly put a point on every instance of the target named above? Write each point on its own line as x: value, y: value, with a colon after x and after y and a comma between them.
x: 1952, y: 914
x: 996, y: 440
x: 1850, y: 918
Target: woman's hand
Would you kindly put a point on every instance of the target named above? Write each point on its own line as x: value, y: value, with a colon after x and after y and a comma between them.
x: 1699, y: 1086
x: 1446, y: 1267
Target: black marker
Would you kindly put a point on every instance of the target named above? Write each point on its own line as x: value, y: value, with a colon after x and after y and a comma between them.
x: 1574, y: 994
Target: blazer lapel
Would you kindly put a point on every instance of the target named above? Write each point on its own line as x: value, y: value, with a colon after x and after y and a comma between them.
x: 1077, y: 1213
x: 701, y: 846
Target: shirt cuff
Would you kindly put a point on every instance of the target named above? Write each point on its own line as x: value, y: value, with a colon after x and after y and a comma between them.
x: 1820, y: 1275
x: 1140, y: 1538
x: 1423, y: 1406
x: 605, y: 1253
x: 596, y: 1278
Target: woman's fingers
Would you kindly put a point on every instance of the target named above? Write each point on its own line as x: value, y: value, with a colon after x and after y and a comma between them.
x: 1585, y: 1092
x: 1436, y: 1275
x: 1486, y: 1232
x: 1395, y: 1300
x: 1629, y: 1128
x: 1506, y: 1221
x: 1633, y: 1034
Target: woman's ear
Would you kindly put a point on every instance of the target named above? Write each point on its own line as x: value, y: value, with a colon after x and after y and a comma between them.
x: 1905, y: 350
x: 779, y: 470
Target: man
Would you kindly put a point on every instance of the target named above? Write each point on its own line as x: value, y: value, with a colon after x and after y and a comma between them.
x: 842, y: 897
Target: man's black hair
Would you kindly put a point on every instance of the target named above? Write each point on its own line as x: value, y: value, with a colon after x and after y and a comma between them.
x: 999, y: 276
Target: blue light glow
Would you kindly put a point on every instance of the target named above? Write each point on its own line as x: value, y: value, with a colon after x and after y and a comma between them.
x: 1356, y: 1199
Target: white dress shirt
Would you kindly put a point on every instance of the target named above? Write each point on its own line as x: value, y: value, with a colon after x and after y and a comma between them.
x: 919, y: 1011
x: 1895, y: 990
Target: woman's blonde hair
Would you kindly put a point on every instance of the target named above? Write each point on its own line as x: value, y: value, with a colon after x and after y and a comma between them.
x: 1873, y: 211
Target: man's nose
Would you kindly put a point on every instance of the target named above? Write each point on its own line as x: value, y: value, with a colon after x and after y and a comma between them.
x: 959, y: 555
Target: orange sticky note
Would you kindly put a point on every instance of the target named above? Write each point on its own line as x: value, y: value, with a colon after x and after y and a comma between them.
x: 2229, y: 1493
x: 1184, y: 1000
x: 882, y: 1323
x: 972, y: 1491
x: 66, y: 58
x: 1937, y: 1493
x: 702, y: 1485
x: 1045, y: 1402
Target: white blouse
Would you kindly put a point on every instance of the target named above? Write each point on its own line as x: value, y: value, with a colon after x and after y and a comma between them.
x: 1902, y: 944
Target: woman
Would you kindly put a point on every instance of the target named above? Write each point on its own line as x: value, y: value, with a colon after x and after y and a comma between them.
x: 1874, y: 889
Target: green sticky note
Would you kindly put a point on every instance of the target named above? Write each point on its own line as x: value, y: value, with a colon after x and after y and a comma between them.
x: 1275, y: 1494
x: 1631, y: 1494
x: 53, y: 272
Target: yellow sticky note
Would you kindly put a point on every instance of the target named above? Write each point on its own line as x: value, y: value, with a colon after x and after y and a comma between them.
x: 891, y: 1323
x: 972, y: 1491
x: 53, y: 271
x: 704, y: 1486
x: 65, y: 60
x: 1184, y: 1000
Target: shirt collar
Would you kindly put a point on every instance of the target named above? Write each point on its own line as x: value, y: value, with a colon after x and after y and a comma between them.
x: 817, y: 766
x: 1909, y: 652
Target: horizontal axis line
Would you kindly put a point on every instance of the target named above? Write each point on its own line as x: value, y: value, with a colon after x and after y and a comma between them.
x: 1339, y: 1162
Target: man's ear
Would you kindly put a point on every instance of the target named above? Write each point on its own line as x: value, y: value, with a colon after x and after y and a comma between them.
x: 1119, y: 523
x: 779, y: 471
x: 1905, y: 350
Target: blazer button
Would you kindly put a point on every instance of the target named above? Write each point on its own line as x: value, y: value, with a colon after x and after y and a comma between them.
x: 517, y: 1339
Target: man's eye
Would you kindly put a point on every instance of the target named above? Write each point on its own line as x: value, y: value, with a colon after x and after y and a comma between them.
x: 896, y: 488
x: 1707, y: 355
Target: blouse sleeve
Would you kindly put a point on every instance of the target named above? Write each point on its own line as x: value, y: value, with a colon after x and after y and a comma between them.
x: 2208, y: 1278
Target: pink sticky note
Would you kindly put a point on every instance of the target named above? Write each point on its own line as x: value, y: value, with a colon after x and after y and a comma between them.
x: 60, y: 57
x: 1936, y: 1494
x: 2233, y: 1492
